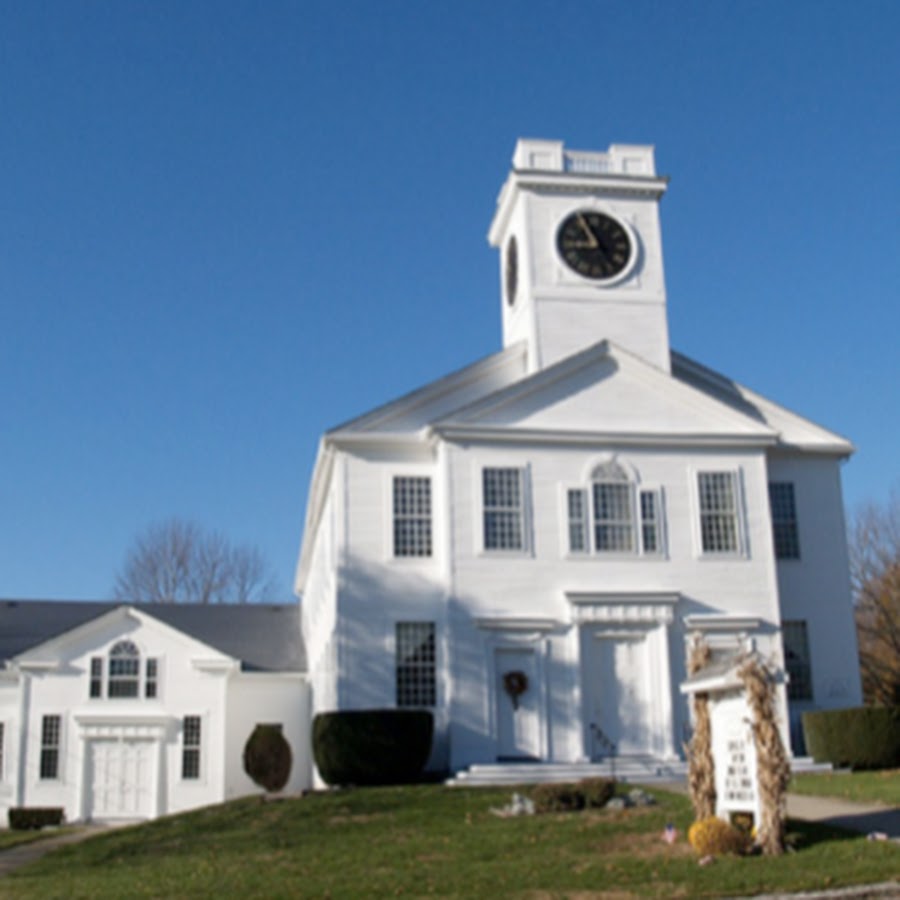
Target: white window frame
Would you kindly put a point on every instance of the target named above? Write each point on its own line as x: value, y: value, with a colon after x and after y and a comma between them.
x: 51, y: 747
x: 2, y: 749
x: 421, y: 693
x: 735, y: 474
x: 638, y: 522
x: 781, y: 523
x: 416, y: 516
x: 195, y: 749
x: 523, y: 507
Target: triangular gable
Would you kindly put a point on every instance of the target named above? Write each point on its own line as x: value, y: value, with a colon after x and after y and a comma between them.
x: 49, y: 652
x: 607, y: 391
x: 793, y: 430
x: 422, y: 406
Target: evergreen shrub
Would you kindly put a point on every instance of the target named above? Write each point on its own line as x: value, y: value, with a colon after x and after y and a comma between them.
x: 557, y: 798
x: 24, y: 818
x: 374, y: 746
x: 863, y: 737
x: 267, y: 757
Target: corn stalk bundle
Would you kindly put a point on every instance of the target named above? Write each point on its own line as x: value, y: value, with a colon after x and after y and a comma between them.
x: 701, y: 768
x: 774, y: 770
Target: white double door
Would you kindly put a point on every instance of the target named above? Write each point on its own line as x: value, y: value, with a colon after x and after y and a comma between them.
x: 121, y: 778
x: 619, y: 691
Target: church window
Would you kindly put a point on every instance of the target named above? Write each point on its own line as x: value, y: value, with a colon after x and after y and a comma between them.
x: 151, y: 673
x: 51, y: 727
x: 651, y: 527
x: 624, y: 520
x: 416, y: 664
x: 577, y: 513
x: 718, y: 512
x: 613, y: 510
x: 504, y: 509
x: 784, y: 520
x: 190, y: 748
x: 796, y: 659
x: 412, y: 516
x: 96, y: 689
x: 124, y: 670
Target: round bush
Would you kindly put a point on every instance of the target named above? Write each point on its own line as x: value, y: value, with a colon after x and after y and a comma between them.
x: 267, y: 757
x: 597, y: 791
x: 376, y: 746
x: 713, y: 837
x: 864, y: 737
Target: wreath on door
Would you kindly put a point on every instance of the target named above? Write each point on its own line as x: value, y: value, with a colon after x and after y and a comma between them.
x: 515, y: 684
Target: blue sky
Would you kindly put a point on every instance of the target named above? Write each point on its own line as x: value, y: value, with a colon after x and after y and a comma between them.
x: 226, y: 227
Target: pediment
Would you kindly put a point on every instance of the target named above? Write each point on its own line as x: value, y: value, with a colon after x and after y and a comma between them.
x: 97, y: 634
x: 607, y: 391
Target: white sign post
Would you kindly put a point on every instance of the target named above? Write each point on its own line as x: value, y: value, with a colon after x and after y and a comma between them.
x: 734, y: 755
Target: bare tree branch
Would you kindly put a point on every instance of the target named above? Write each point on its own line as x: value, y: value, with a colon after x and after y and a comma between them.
x: 177, y: 562
x: 875, y: 570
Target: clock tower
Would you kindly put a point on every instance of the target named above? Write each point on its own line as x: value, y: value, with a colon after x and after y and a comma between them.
x: 581, y: 252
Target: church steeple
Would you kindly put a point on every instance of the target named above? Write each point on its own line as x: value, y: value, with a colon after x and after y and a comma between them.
x: 581, y: 252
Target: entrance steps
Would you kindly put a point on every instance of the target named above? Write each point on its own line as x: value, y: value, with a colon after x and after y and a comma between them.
x: 637, y: 769
x: 632, y: 769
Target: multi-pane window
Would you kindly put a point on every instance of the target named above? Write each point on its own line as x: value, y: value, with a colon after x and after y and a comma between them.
x: 96, y: 676
x: 151, y: 670
x: 613, y: 512
x: 416, y: 664
x: 50, y: 739
x: 124, y: 670
x: 784, y: 520
x: 651, y: 526
x: 412, y: 516
x: 611, y: 505
x: 576, y: 506
x: 190, y: 747
x: 504, y: 527
x: 718, y: 512
x: 796, y: 659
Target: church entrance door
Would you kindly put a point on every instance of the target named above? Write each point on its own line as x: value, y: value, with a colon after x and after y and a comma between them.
x: 620, y: 706
x: 518, y: 725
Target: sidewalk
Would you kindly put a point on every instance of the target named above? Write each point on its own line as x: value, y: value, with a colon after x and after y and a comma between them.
x: 23, y: 854
x: 867, y: 818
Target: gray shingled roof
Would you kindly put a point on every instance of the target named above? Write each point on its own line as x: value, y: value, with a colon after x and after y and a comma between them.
x: 264, y: 637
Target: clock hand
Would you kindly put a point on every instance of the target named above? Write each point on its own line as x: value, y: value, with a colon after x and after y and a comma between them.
x: 592, y: 241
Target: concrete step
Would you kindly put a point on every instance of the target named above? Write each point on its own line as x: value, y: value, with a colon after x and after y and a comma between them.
x: 637, y: 770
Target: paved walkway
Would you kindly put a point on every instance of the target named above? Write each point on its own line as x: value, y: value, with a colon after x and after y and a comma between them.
x: 868, y: 818
x: 23, y: 854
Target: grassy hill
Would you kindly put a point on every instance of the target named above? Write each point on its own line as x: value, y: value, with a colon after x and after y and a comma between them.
x: 430, y: 840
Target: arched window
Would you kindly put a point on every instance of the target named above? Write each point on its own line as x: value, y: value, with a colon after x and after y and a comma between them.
x: 613, y: 498
x: 614, y: 516
x: 124, y: 670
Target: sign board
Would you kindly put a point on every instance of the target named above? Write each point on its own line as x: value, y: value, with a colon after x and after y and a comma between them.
x: 734, y: 755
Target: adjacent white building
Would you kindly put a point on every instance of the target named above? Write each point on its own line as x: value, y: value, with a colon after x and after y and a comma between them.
x: 526, y: 545
x: 124, y: 712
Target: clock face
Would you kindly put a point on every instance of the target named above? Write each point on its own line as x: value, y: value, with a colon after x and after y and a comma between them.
x: 594, y: 245
x: 511, y: 273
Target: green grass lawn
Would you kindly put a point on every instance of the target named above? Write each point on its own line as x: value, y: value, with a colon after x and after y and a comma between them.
x: 431, y: 840
x: 10, y: 838
x: 865, y: 787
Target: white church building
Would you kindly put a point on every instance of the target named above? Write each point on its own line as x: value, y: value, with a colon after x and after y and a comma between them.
x: 527, y: 545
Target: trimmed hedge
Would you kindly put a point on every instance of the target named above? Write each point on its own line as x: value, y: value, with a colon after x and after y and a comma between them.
x: 267, y: 757
x: 24, y: 818
x: 373, y: 746
x: 864, y: 737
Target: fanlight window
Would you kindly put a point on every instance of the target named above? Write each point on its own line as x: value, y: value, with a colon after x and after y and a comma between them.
x: 124, y: 670
x: 613, y: 516
x: 125, y: 673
